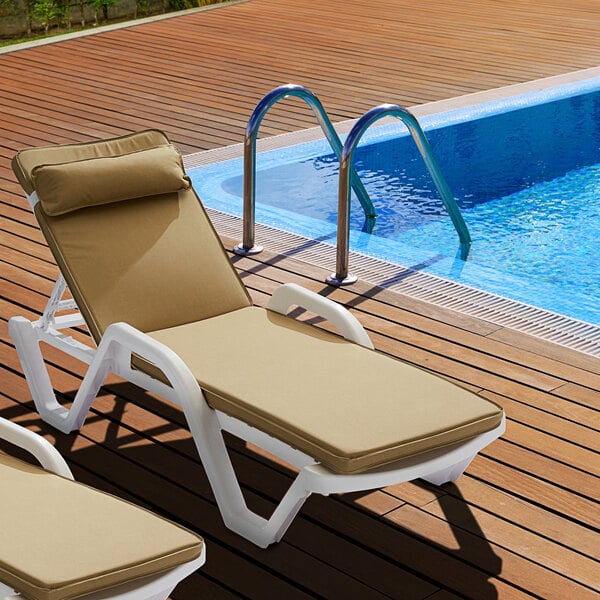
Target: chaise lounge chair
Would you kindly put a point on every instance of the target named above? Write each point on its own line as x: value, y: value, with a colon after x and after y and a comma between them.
x: 168, y: 312
x: 61, y: 539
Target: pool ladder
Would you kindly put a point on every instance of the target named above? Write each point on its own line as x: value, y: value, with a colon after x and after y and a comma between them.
x: 348, y: 177
x: 285, y: 91
x: 341, y: 276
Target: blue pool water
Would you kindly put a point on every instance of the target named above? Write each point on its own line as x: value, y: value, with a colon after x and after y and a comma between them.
x: 525, y: 173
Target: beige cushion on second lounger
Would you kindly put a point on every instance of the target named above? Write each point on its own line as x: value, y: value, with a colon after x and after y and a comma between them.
x: 346, y: 406
x: 60, y: 539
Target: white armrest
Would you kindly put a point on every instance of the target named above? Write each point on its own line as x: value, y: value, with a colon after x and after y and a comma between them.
x: 131, y: 341
x: 46, y: 454
x: 290, y: 294
x: 126, y: 341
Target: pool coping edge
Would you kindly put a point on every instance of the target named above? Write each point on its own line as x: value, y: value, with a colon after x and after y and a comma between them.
x: 540, y: 323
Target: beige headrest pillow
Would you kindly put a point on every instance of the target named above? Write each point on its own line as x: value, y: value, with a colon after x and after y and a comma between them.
x: 66, y: 187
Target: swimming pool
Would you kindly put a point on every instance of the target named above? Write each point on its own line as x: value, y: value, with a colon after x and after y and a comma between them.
x: 525, y: 172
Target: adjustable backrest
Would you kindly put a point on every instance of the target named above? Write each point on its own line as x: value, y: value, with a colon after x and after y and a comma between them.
x: 129, y: 233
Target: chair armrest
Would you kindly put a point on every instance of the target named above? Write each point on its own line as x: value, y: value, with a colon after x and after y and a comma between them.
x: 44, y: 452
x: 121, y: 341
x: 290, y: 294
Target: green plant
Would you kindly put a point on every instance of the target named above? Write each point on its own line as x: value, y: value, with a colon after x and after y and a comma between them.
x: 180, y: 4
x: 65, y: 14
x: 81, y: 5
x: 45, y: 11
x: 101, y: 5
x: 141, y: 6
x: 184, y: 4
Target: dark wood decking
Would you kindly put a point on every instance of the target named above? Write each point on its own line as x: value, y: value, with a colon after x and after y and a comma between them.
x: 523, y: 522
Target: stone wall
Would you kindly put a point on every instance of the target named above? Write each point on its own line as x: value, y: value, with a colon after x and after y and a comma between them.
x: 13, y: 14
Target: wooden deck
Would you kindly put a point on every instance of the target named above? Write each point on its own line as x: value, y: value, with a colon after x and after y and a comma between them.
x: 523, y: 522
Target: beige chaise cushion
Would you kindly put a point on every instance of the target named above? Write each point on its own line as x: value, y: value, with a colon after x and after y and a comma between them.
x: 61, y: 539
x: 346, y: 406
x: 152, y: 262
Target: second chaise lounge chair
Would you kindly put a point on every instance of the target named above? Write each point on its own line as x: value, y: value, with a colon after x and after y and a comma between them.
x: 168, y: 312
x: 60, y: 539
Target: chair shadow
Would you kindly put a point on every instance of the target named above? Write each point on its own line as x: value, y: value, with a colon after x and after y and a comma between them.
x: 158, y: 467
x: 473, y: 547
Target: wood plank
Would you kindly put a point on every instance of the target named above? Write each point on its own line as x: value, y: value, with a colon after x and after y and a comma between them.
x: 525, y: 513
x: 543, y: 582
x: 532, y: 487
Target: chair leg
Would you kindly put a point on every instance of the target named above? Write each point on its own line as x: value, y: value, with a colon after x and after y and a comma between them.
x: 264, y: 532
x: 450, y: 473
x: 28, y: 349
x: 208, y: 438
x: 27, y: 344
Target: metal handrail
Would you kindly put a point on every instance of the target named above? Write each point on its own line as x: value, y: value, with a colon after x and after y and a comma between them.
x: 341, y: 276
x: 248, y: 246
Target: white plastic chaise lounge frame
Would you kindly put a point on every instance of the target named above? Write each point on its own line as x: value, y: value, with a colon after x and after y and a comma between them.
x: 51, y: 549
x: 168, y: 312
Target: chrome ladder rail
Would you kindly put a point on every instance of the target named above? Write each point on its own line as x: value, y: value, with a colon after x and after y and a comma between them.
x: 341, y: 276
x: 248, y: 246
